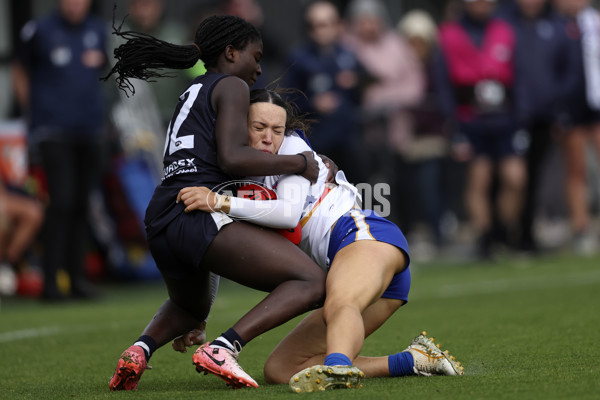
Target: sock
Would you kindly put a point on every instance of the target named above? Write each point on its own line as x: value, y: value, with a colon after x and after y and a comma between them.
x: 337, y: 359
x: 401, y: 364
x: 228, y: 340
x: 147, y: 344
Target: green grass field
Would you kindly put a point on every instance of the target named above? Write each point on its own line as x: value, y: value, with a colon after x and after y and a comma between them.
x: 523, y: 329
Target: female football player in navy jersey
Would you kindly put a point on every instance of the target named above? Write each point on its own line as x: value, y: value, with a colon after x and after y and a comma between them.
x: 207, y: 145
x: 366, y: 257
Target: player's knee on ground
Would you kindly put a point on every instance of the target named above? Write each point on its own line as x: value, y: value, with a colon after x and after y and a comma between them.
x: 277, y: 370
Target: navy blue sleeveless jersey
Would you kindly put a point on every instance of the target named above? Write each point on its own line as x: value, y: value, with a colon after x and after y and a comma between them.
x: 190, y: 157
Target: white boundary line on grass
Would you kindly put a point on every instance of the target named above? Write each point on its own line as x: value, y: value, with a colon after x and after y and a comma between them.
x: 21, y: 334
x: 29, y: 333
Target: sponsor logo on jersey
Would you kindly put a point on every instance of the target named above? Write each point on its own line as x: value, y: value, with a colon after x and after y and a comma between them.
x: 184, y: 166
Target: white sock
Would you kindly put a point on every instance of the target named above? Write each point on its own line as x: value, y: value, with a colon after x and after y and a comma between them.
x: 222, y: 343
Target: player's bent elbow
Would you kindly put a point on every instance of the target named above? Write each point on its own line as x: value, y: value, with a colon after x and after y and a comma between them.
x: 228, y: 165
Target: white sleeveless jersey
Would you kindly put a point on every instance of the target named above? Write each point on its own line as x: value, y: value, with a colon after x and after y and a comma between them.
x: 324, y: 204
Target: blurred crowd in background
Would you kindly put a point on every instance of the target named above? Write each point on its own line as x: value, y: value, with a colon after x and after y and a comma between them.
x: 481, y: 117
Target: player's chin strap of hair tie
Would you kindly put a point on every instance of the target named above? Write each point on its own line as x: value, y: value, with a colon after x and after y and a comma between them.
x: 305, y: 163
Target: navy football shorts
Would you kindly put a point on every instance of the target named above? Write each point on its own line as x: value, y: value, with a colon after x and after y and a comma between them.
x: 178, y: 249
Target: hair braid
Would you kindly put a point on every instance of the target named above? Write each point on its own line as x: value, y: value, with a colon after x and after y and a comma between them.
x: 143, y: 56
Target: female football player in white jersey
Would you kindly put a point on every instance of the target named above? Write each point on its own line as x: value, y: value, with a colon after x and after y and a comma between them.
x: 366, y: 257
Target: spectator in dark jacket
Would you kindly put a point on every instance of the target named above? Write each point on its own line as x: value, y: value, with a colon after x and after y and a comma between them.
x: 329, y: 75
x: 541, y: 73
x: 61, y: 59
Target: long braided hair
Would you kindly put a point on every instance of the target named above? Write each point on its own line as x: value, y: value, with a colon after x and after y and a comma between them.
x: 143, y: 56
